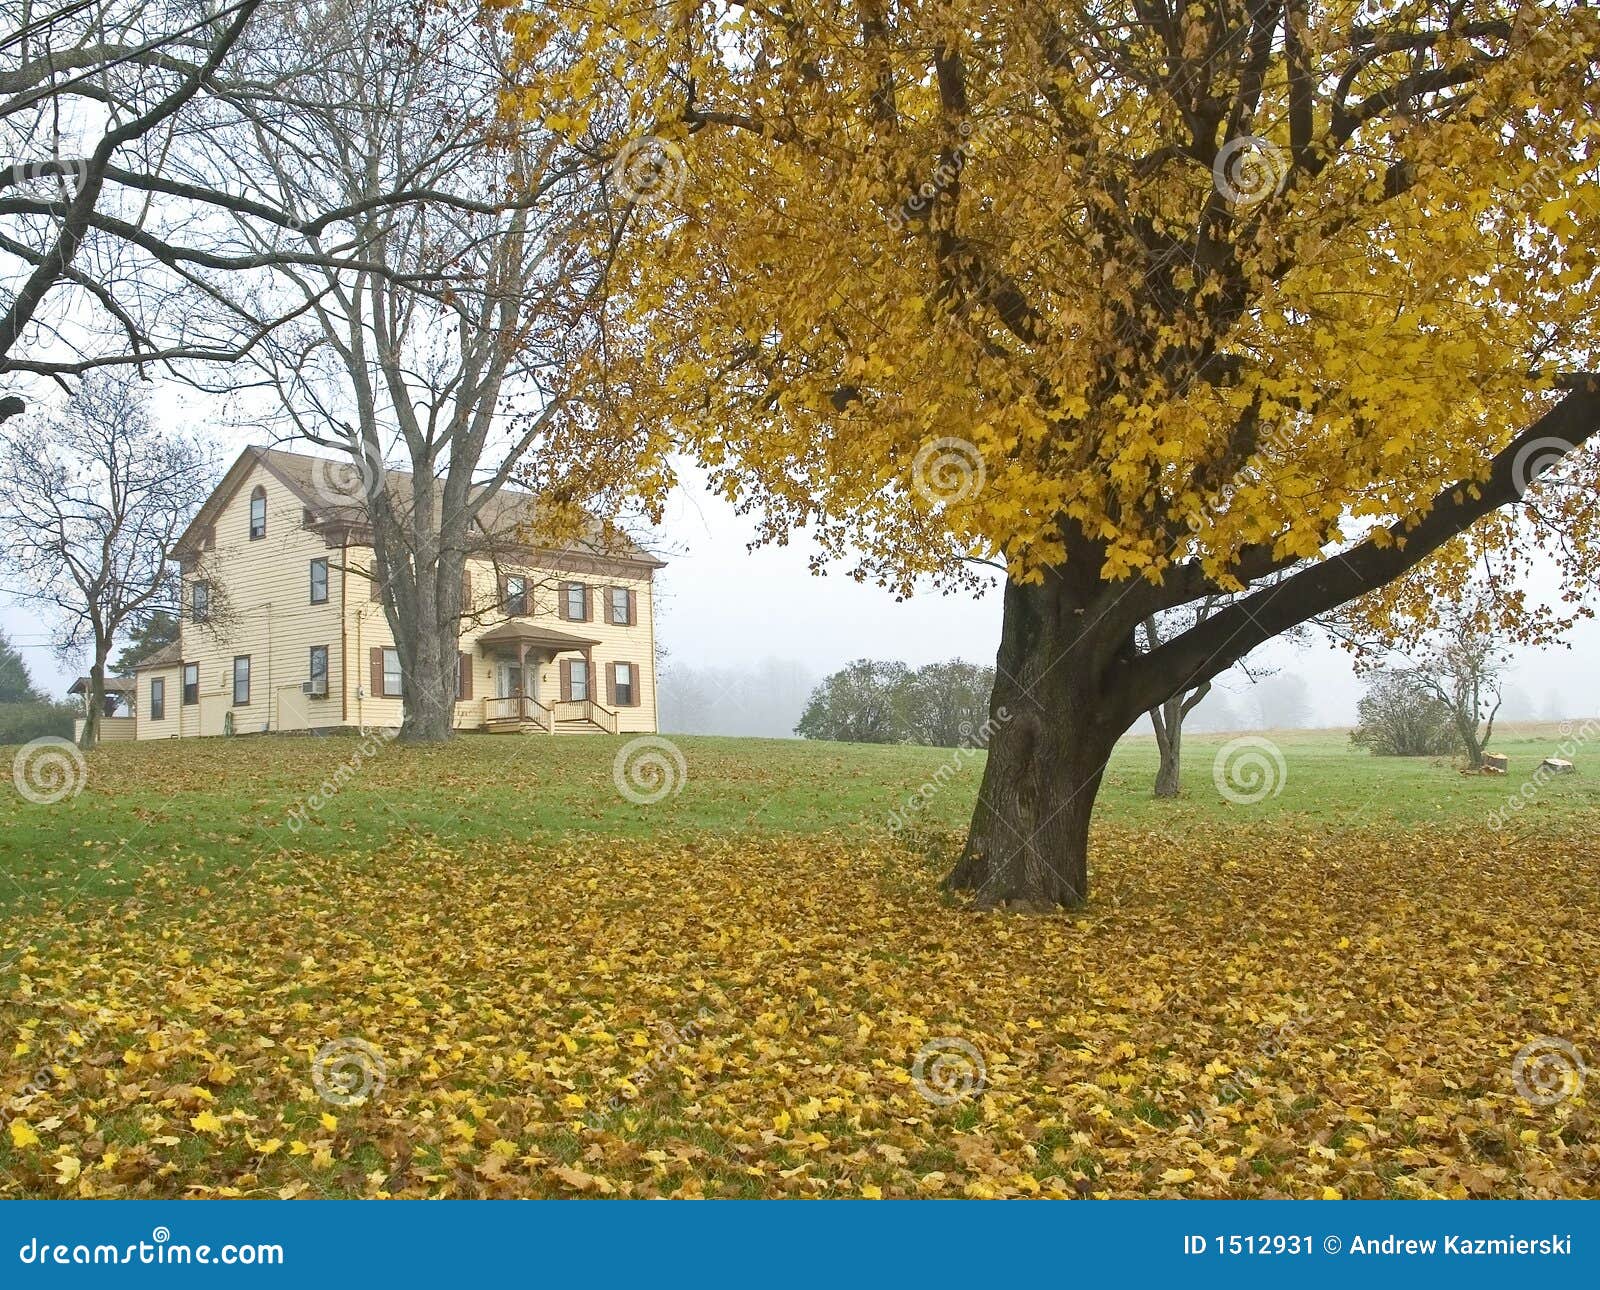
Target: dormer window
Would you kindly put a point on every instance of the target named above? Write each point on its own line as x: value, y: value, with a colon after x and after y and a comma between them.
x: 258, y: 513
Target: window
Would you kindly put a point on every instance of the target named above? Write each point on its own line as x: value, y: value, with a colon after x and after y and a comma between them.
x: 575, y: 602
x: 516, y: 596
x: 158, y: 698
x: 625, y: 685
x: 319, y: 671
x: 200, y: 601
x: 621, y: 607
x: 578, y: 682
x: 319, y: 581
x: 191, y: 684
x: 241, y: 680
x: 258, y: 513
x: 391, y: 674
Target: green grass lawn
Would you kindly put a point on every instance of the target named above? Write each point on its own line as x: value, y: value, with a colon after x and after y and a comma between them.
x: 1323, y: 992
x: 219, y: 805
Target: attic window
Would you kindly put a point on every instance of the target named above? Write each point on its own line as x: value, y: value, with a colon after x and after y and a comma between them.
x: 258, y: 513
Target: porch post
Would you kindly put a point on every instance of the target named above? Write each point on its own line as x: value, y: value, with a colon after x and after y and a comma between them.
x: 588, y: 672
x: 522, y: 683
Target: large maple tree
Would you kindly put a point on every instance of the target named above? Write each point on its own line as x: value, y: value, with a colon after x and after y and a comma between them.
x: 1144, y: 301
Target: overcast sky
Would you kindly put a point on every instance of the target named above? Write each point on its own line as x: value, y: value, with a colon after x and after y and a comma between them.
x: 723, y: 607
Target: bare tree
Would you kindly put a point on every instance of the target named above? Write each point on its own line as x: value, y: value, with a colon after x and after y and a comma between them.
x: 92, y: 98
x: 467, y: 344
x: 1167, y: 716
x: 1460, y: 668
x: 91, y: 502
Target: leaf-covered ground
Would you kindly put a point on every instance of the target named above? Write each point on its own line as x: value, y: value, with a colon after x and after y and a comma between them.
x: 1240, y: 1013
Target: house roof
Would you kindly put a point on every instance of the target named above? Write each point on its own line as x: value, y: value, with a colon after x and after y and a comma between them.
x: 166, y: 656
x: 328, y: 489
x: 518, y: 632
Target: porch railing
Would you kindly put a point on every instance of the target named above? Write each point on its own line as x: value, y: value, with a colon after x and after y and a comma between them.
x: 586, y: 710
x: 519, y: 707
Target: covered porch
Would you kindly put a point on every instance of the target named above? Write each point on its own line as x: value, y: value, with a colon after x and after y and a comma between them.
x: 517, y: 650
x: 117, y: 720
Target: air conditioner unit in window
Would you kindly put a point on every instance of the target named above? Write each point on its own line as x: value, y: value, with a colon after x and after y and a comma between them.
x: 316, y: 689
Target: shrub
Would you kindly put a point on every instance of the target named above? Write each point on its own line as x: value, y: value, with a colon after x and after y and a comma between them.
x: 1399, y: 718
x: 21, y: 723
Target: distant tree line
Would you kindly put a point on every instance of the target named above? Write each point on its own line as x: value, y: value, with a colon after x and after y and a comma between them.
x: 25, y: 713
x: 879, y: 702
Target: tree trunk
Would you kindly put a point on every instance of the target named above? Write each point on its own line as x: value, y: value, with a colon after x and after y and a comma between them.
x: 419, y: 557
x: 1054, y: 728
x: 1168, y: 722
x: 430, y: 709
x: 1169, y: 779
x: 97, y: 703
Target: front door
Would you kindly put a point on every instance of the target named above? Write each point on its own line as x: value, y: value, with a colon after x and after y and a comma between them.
x: 508, y: 680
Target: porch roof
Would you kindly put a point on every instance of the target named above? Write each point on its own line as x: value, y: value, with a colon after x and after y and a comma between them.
x: 114, y: 685
x: 521, y: 633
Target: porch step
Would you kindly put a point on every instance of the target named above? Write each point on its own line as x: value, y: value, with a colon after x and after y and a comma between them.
x: 579, y: 728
